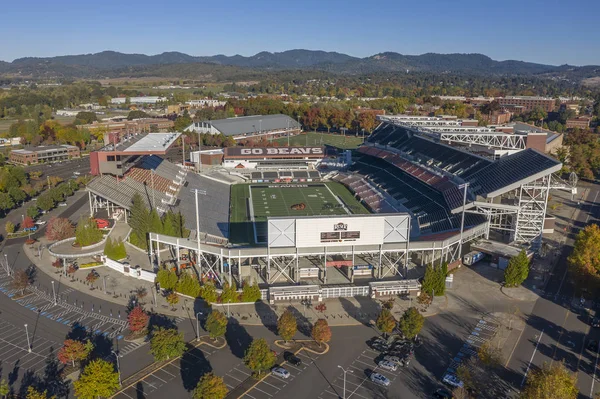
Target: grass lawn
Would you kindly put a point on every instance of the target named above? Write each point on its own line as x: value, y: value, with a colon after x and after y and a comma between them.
x: 311, y: 139
x: 271, y: 200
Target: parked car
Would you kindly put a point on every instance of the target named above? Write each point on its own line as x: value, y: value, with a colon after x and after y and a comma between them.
x: 40, y: 222
x: 386, y: 365
x: 392, y: 359
x: 62, y: 204
x: 280, y: 372
x: 442, y: 394
x: 292, y: 359
x: 592, y: 346
x: 102, y: 223
x: 596, y: 322
x: 453, y: 381
x: 31, y: 229
x: 380, y: 379
x: 76, y: 173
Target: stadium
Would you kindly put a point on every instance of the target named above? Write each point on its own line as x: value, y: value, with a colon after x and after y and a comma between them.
x: 365, y: 223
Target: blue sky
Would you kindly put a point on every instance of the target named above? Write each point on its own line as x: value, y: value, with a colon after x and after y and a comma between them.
x: 552, y: 31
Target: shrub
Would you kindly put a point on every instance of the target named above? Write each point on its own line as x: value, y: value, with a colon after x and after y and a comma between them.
x: 10, y: 227
x: 229, y: 294
x: 188, y: 285
x: 209, y: 293
x: 166, y: 279
x: 250, y: 292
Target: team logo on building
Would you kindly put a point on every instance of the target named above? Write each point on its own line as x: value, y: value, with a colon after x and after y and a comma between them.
x: 280, y: 151
x: 340, y: 227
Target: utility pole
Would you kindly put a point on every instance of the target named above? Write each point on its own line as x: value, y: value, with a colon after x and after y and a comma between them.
x: 196, y: 192
x: 118, y: 366
x: 53, y: 293
x: 462, y: 220
x: 28, y: 343
x: 199, y: 152
x: 198, y: 325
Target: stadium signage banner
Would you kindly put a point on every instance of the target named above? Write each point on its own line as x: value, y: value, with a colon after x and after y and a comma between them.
x: 265, y: 151
x: 339, y: 231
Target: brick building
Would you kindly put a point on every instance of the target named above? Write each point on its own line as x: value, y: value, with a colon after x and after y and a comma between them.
x: 44, y: 154
x: 582, y: 122
x: 143, y: 125
x: 527, y: 103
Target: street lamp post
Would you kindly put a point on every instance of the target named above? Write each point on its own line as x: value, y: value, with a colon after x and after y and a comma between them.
x: 28, y: 343
x: 198, y: 325
x: 464, y: 186
x: 118, y: 365
x: 196, y: 192
x: 6, y: 263
x: 53, y: 292
x: 345, y: 371
x: 104, y: 283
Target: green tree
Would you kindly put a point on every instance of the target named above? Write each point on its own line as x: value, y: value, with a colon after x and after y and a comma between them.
x: 109, y: 248
x: 156, y: 224
x: 517, y: 270
x: 166, y: 343
x: 385, y: 321
x: 85, y: 117
x: 229, y: 294
x: 550, y: 382
x: 429, y: 283
x: 17, y: 194
x: 87, y: 232
x: 321, y: 331
x: 287, y: 326
x: 209, y: 292
x: 216, y: 324
x: 98, y: 380
x: 119, y: 250
x: 137, y: 114
x: 33, y: 212
x: 211, y: 386
x: 6, y: 202
x: 4, y: 389
x: 411, y: 323
x: 182, y: 122
x: 173, y: 299
x: 9, y: 227
x: 259, y: 357
x: 46, y: 202
x: 139, y: 222
x: 33, y: 393
x: 188, y: 285
x: 250, y: 292
x: 166, y: 279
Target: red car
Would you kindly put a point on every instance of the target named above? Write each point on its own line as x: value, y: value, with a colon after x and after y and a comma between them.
x: 102, y: 223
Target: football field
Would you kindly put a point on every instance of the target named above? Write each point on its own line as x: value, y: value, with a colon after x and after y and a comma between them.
x: 293, y: 200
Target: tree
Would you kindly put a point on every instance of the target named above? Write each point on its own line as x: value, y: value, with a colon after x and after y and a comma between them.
x: 173, y: 299
x: 91, y: 277
x: 411, y: 323
x: 321, y: 331
x: 27, y: 223
x: 137, y: 319
x: 489, y: 355
x: 287, y: 326
x: 136, y: 114
x: 166, y: 279
x: 59, y: 229
x: 166, y: 343
x: 229, y: 294
x: 87, y: 232
x: 188, y: 285
x: 98, y: 380
x: 21, y: 281
x: 6, y: 202
x: 428, y: 284
x: 139, y: 222
x: 46, y: 202
x: 115, y: 249
x: 33, y: 211
x: 33, y: 393
x: 4, y: 389
x: 551, y: 382
x: 10, y: 227
x: 216, y: 324
x: 250, y: 292
x: 385, y: 321
x: 584, y: 261
x: 517, y: 270
x: 210, y: 386
x: 17, y: 194
x: 85, y: 117
x: 73, y: 350
x: 209, y: 292
x: 259, y: 357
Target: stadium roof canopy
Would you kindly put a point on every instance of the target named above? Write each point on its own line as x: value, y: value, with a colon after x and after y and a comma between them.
x: 244, y: 125
x: 153, y: 142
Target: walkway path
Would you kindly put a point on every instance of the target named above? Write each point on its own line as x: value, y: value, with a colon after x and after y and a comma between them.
x: 66, y: 249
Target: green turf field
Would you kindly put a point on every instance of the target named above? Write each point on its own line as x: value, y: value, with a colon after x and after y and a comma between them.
x: 272, y: 200
x: 349, y: 142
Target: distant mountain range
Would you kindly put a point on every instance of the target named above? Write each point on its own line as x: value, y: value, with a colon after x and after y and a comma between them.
x: 111, y: 63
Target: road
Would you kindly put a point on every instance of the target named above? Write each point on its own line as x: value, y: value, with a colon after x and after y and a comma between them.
x: 64, y: 169
x: 558, y: 328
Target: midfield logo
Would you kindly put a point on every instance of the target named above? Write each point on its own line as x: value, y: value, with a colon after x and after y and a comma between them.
x: 340, y: 227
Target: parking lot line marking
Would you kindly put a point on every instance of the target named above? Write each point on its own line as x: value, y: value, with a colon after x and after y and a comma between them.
x: 154, y: 375
x: 366, y: 364
x: 277, y: 378
x: 258, y: 389
x: 243, y: 372
x: 229, y: 375
x: 130, y: 397
x: 352, y: 393
x: 172, y: 375
x: 331, y: 393
x: 294, y: 367
x: 248, y: 395
x: 279, y: 389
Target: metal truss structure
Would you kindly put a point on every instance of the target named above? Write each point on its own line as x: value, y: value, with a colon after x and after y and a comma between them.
x: 533, y: 200
x: 501, y: 141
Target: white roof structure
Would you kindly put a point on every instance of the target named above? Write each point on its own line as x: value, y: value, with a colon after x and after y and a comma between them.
x: 153, y: 142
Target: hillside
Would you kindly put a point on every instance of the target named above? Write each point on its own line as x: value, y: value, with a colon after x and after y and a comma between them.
x: 171, y: 64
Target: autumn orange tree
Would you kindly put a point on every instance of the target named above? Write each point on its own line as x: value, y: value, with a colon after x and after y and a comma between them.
x: 321, y: 331
x: 73, y: 351
x: 287, y: 325
x: 584, y: 261
x: 138, y: 320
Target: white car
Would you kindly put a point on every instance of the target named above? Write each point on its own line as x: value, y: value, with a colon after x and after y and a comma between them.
x: 40, y: 222
x: 76, y: 173
x: 62, y: 204
x: 391, y: 366
x: 453, y: 381
x: 391, y: 359
x: 380, y: 379
x: 280, y: 372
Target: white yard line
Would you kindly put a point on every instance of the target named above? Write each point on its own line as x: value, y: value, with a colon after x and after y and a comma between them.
x: 532, y: 355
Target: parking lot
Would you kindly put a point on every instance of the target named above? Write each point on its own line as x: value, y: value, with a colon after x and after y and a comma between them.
x: 272, y: 386
x: 13, y: 347
x: 187, y: 369
x: 358, y: 383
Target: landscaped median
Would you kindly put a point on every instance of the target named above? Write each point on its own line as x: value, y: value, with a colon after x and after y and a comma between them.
x: 295, y: 346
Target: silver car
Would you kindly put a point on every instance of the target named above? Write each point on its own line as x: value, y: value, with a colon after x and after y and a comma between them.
x: 380, y: 380
x: 391, y: 366
x: 280, y: 372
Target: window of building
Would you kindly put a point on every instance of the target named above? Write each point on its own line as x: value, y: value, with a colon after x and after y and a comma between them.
x: 110, y: 158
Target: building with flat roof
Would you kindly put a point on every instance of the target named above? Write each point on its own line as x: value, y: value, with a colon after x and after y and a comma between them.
x: 527, y: 102
x: 249, y: 127
x: 115, y: 158
x: 44, y: 154
x: 138, y: 100
x: 122, y: 125
x: 582, y: 122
